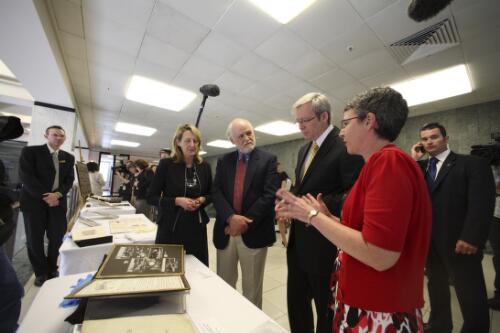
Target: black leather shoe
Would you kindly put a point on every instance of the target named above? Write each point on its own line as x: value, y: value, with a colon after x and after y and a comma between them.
x: 494, y: 303
x: 53, y: 275
x: 39, y: 280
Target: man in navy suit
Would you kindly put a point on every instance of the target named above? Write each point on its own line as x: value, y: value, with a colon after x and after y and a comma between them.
x: 46, y: 172
x: 244, y: 189
x: 463, y: 197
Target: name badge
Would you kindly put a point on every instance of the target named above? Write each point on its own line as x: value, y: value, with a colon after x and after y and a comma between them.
x: 62, y: 161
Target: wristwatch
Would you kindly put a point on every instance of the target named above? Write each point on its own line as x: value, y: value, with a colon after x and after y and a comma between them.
x: 312, y: 213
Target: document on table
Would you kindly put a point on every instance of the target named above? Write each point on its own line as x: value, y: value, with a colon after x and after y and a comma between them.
x: 131, y: 225
x: 169, y: 323
x: 107, y: 287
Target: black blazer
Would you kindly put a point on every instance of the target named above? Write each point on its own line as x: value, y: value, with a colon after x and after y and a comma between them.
x: 143, y: 183
x: 36, y: 172
x: 261, y: 184
x: 463, y: 200
x: 332, y: 172
x: 168, y: 183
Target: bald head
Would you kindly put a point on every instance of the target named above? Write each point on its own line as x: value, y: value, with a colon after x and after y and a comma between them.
x: 240, y: 133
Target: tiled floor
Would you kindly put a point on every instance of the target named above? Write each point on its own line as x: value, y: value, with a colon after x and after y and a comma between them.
x: 274, y: 303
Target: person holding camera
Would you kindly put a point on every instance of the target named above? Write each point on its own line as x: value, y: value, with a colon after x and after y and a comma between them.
x: 143, y: 180
x: 126, y: 175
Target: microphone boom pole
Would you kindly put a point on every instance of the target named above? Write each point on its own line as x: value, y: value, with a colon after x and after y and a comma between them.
x: 207, y: 90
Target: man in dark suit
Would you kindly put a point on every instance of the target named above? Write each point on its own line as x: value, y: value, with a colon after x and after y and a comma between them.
x: 47, y: 175
x: 463, y: 197
x: 323, y: 166
x: 244, y: 189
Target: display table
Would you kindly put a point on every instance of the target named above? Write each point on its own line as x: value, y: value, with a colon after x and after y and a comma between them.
x: 212, y: 304
x: 122, y: 208
x: 75, y: 259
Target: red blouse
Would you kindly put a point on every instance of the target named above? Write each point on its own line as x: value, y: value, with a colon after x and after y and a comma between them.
x: 390, y: 205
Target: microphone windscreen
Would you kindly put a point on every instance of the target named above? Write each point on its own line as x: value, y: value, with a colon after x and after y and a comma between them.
x: 422, y: 10
x: 211, y: 90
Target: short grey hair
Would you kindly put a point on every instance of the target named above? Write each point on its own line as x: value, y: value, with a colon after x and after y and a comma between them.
x: 230, y: 126
x: 319, y: 103
x: 388, y: 106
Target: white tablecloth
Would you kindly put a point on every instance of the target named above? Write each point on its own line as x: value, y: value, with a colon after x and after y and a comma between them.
x: 74, y: 259
x: 212, y: 304
x: 121, y: 208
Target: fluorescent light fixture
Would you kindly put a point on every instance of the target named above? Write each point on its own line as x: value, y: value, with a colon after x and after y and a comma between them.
x: 24, y: 118
x: 221, y: 144
x: 202, y: 152
x: 278, y: 128
x: 5, y: 71
x: 159, y: 94
x: 283, y: 11
x: 134, y: 129
x: 449, y: 82
x: 124, y: 143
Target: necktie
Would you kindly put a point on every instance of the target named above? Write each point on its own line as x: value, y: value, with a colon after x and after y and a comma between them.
x: 315, y: 149
x: 239, y: 183
x: 430, y: 176
x: 55, y: 160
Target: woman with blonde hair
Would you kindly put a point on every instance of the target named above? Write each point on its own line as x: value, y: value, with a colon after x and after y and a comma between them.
x: 181, y: 189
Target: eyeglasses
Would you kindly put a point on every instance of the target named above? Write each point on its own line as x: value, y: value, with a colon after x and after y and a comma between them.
x: 304, y: 121
x: 345, y: 122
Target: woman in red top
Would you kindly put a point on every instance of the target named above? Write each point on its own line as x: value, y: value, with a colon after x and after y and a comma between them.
x: 384, y: 232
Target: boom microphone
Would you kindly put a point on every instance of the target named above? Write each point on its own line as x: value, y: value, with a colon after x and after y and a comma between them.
x: 211, y: 90
x: 422, y: 10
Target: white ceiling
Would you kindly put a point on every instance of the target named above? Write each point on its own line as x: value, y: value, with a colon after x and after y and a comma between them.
x: 261, y: 66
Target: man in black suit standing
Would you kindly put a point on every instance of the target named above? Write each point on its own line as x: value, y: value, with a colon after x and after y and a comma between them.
x: 47, y: 175
x: 463, y: 197
x: 244, y: 189
x: 323, y: 166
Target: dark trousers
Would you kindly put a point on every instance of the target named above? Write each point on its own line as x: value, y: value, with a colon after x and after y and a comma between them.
x: 37, y: 223
x: 11, y: 293
x: 495, y: 244
x: 467, y: 273
x: 302, y: 288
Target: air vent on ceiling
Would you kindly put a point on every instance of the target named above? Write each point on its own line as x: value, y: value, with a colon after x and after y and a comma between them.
x: 431, y: 40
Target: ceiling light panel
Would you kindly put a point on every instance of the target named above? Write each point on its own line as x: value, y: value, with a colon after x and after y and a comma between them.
x: 134, y: 129
x: 283, y: 11
x: 159, y: 94
x: 125, y: 143
x: 278, y: 128
x: 449, y: 82
x: 221, y: 144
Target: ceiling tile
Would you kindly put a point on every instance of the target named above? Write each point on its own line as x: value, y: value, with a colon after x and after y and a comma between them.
x: 202, y: 69
x: 441, y: 60
x: 348, y: 92
x: 390, y: 76
x: 114, y: 35
x: 68, y: 17
x: 109, y: 57
x: 369, y: 8
x: 220, y: 50
x: 158, y: 52
x: 237, y: 21
x: 283, y: 48
x: 310, y: 65
x: 333, y: 79
x: 254, y: 67
x: 355, y: 42
x: 154, y: 71
x: 72, y: 45
x: 172, y: 27
x: 324, y: 21
x: 370, y: 64
x: 206, y: 12
x: 233, y: 82
x: 133, y: 13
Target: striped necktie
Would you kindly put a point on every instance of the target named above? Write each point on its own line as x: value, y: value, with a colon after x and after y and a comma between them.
x: 55, y: 160
x: 315, y: 149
